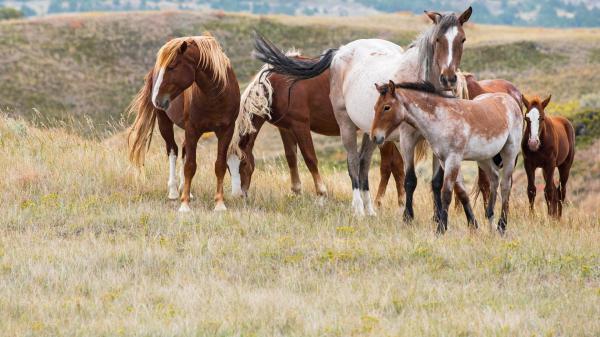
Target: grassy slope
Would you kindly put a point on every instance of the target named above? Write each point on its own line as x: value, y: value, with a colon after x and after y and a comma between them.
x: 109, y: 255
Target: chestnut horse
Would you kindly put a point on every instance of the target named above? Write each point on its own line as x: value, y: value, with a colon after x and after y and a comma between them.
x: 296, y: 109
x: 457, y: 130
x: 549, y: 143
x: 197, y: 67
x: 434, y: 56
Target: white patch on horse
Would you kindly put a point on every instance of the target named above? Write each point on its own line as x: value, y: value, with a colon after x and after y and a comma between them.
x: 534, y: 118
x: 450, y: 35
x: 366, y: 196
x: 156, y: 86
x: 357, y: 203
x: 172, y: 183
x: 233, y: 162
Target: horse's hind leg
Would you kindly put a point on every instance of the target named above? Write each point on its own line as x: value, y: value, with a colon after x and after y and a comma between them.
x: 348, y: 133
x: 492, y: 173
x: 483, y: 184
x: 366, y: 153
x: 385, y: 170
x: 564, y: 171
x: 509, y: 156
x: 165, y: 126
x: 550, y: 189
x: 452, y: 170
x: 463, y: 197
x: 290, y: 146
x: 307, y: 149
x: 223, y: 141
x: 407, y: 151
x: 398, y: 172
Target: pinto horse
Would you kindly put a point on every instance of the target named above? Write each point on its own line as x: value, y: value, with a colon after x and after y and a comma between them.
x: 434, y: 56
x: 549, y: 143
x: 197, y: 67
x: 295, y: 109
x: 457, y: 130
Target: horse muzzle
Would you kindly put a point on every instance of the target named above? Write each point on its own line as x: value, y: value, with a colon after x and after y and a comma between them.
x: 533, y: 144
x: 378, y: 137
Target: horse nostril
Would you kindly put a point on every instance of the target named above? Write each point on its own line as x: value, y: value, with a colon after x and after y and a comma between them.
x: 452, y: 79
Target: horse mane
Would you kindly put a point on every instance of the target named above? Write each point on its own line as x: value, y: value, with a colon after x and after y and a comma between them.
x: 211, y: 55
x: 421, y: 86
x: 462, y: 87
x: 425, y: 42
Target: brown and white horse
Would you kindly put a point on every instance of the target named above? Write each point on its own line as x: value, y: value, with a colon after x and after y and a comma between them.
x: 296, y: 109
x: 457, y: 130
x: 435, y: 56
x: 549, y: 143
x: 197, y: 67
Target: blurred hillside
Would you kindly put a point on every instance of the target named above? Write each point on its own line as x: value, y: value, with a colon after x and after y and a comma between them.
x: 547, y: 13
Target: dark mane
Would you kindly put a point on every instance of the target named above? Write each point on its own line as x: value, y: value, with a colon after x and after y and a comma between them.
x: 422, y: 86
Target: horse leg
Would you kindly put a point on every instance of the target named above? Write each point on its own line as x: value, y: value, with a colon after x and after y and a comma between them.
x: 398, y: 172
x: 385, y: 170
x: 483, y: 183
x: 348, y: 133
x: 189, y: 168
x: 463, y: 197
x: 165, y: 126
x: 407, y: 151
x: 366, y: 153
x: 307, y: 149
x: 492, y: 173
x: 223, y: 141
x: 509, y: 159
x: 550, y: 189
x: 563, y: 171
x: 531, y: 189
x: 290, y: 146
x: 437, y: 182
x: 452, y: 169
x: 241, y: 169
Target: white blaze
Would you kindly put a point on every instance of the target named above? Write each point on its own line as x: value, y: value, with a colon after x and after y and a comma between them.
x: 156, y: 86
x: 234, y: 169
x: 534, y: 118
x: 451, y: 36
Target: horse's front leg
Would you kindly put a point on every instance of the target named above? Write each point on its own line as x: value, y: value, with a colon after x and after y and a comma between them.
x: 165, y: 126
x: 223, y: 141
x: 464, y: 199
x: 407, y: 152
x: 550, y: 191
x: 451, y: 172
x: 366, y: 153
x: 506, y: 186
x: 531, y: 189
x: 437, y: 182
x: 189, y: 168
x: 348, y: 133
x: 491, y: 171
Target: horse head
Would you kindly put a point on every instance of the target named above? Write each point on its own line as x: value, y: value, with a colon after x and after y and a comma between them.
x: 534, y: 118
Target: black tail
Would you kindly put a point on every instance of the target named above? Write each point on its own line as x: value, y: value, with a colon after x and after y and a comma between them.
x: 298, y: 69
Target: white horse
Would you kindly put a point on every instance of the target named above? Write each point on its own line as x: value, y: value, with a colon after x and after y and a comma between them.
x: 435, y: 56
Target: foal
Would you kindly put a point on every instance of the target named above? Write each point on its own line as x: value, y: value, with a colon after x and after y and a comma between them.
x: 457, y: 130
x: 549, y: 142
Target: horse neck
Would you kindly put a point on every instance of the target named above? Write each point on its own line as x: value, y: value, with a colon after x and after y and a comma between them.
x: 421, y: 111
x: 475, y: 89
x: 206, y: 82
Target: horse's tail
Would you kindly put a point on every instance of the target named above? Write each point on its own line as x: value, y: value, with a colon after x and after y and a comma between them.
x: 140, y: 133
x: 420, y: 150
x: 296, y: 68
x: 462, y: 89
x: 256, y: 100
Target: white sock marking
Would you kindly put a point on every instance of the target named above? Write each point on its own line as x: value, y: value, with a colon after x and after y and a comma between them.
x: 451, y: 36
x: 366, y: 196
x: 172, y: 183
x: 156, y: 86
x: 234, y: 169
x: 534, y: 118
x: 357, y: 203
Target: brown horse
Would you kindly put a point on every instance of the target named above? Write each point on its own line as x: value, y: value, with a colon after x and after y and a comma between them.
x: 198, y: 68
x: 549, y: 143
x: 467, y: 88
x: 296, y: 109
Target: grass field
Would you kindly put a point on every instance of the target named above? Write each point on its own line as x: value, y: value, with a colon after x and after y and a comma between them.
x: 88, y: 247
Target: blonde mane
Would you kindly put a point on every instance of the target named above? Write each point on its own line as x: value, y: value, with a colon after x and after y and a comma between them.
x: 211, y: 55
x: 462, y: 89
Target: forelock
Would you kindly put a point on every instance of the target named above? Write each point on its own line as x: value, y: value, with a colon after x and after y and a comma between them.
x: 446, y: 22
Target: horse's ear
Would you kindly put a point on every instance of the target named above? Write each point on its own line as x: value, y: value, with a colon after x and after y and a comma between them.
x: 434, y: 16
x: 392, y: 86
x: 525, y: 102
x: 546, y: 101
x: 381, y: 89
x: 183, y: 47
x: 464, y: 17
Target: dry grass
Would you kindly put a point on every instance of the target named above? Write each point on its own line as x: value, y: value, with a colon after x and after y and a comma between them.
x: 86, y: 249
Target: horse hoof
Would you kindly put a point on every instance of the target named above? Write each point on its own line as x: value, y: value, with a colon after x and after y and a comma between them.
x: 184, y: 208
x: 220, y: 207
x: 173, y: 195
x: 371, y: 211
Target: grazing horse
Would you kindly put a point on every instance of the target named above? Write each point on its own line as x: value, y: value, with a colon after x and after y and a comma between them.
x: 435, y: 56
x: 549, y: 143
x: 296, y: 109
x: 197, y: 67
x: 456, y: 130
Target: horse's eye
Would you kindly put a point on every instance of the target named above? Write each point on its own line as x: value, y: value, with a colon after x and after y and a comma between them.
x: 386, y: 108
